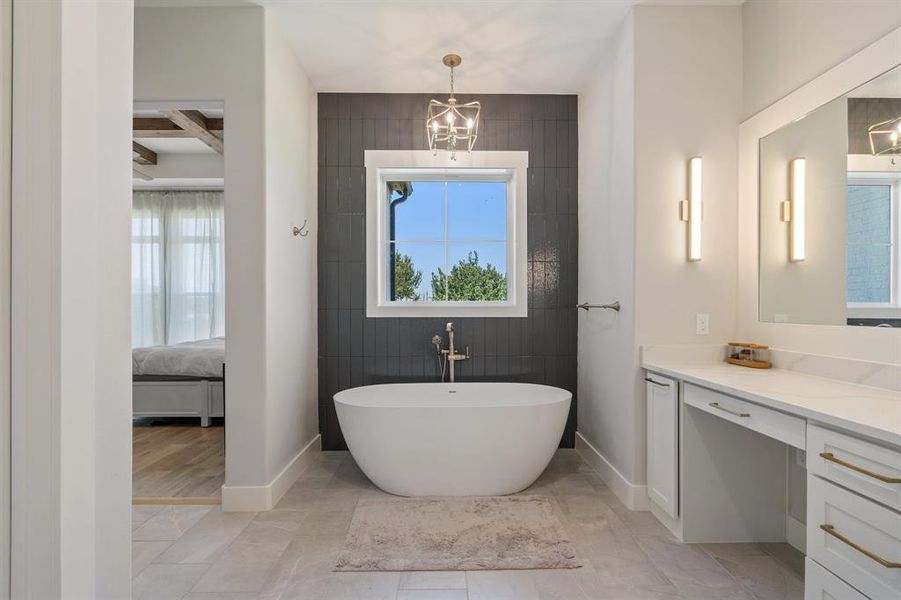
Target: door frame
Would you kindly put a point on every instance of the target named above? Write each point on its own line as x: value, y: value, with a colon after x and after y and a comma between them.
x: 70, y: 367
x: 6, y: 87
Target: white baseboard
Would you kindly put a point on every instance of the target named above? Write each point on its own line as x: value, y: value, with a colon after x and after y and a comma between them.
x: 796, y: 534
x: 674, y: 525
x: 256, y: 498
x: 635, y: 497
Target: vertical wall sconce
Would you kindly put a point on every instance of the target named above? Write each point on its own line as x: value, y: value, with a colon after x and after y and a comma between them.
x: 692, y: 209
x: 793, y: 209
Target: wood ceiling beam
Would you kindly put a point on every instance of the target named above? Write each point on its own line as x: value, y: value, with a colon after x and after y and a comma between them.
x: 146, y: 127
x: 194, y: 123
x: 143, y: 155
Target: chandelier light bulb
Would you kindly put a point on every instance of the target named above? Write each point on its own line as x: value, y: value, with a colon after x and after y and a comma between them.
x: 435, y: 126
x: 450, y: 117
x: 468, y: 123
x: 885, y: 137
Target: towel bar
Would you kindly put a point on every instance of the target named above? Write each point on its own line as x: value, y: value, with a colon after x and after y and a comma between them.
x: 586, y: 306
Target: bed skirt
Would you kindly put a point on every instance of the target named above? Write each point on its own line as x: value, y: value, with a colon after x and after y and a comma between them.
x: 178, y: 396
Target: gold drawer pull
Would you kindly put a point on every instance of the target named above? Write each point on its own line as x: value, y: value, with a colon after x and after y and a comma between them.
x: 883, y: 478
x: 717, y: 406
x: 660, y: 383
x: 830, y: 529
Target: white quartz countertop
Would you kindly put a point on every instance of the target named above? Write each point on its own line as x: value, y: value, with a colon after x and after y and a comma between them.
x: 865, y: 410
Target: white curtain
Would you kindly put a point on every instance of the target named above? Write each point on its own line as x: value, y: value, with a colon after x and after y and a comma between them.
x: 178, y: 271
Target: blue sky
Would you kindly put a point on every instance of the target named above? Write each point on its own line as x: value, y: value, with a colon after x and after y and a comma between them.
x: 476, y: 221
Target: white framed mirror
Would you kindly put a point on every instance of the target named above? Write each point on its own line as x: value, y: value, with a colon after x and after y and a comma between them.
x: 829, y: 218
x: 865, y: 343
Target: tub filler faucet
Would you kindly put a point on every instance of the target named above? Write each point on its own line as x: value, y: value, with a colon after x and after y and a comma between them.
x: 449, y: 355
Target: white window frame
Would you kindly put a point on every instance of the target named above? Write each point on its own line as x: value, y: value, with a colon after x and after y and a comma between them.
x: 891, y: 309
x: 393, y: 165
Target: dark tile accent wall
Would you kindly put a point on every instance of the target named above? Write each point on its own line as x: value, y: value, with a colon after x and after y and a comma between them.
x: 873, y: 322
x: 864, y: 112
x: 355, y: 350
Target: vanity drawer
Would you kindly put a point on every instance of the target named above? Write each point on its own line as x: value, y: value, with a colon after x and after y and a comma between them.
x: 866, y: 468
x: 781, y: 426
x: 820, y: 584
x: 855, y: 538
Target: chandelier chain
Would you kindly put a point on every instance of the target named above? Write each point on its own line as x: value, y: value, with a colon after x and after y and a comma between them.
x: 452, y: 81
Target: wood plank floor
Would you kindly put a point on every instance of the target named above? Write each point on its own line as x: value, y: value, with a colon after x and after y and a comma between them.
x: 177, y: 458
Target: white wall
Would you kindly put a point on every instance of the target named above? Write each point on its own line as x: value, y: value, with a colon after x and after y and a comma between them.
x: 291, y: 280
x: 812, y: 290
x: 608, y: 356
x: 71, y: 388
x: 789, y: 42
x: 663, y: 89
x: 236, y: 55
x: 184, y: 166
x: 687, y: 103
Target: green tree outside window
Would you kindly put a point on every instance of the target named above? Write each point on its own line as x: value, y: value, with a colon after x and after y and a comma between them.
x: 406, y: 278
x: 470, y: 281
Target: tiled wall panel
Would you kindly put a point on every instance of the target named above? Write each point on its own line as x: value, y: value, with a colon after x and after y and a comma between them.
x: 354, y: 350
x: 864, y: 112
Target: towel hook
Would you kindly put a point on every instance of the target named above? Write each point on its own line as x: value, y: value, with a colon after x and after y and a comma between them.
x: 299, y: 231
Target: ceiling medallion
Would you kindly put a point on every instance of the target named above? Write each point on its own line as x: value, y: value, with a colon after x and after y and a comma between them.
x: 451, y: 125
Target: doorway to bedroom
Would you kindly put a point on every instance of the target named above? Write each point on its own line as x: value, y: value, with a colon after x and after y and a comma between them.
x: 178, y: 303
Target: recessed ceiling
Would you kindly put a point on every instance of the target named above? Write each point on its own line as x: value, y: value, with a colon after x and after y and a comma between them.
x: 397, y: 46
x: 508, y: 46
x: 513, y: 47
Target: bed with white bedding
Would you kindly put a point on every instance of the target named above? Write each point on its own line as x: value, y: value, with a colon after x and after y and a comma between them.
x: 182, y: 380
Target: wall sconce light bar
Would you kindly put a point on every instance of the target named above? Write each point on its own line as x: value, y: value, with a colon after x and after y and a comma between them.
x: 793, y: 210
x: 692, y: 209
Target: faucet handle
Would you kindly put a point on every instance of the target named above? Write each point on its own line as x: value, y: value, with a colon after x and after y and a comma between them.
x: 467, y: 351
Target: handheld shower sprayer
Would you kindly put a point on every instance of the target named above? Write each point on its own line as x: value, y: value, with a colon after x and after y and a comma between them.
x: 449, y: 356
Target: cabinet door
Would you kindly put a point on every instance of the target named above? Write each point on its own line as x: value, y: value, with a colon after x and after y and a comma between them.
x: 663, y: 443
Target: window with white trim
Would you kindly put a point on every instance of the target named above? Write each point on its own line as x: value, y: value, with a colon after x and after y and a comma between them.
x: 446, y: 238
x: 873, y: 250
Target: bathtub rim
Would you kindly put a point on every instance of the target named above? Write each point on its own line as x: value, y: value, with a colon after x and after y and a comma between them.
x: 555, y: 395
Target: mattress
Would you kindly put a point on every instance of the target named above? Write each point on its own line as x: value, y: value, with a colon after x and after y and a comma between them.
x: 202, y: 358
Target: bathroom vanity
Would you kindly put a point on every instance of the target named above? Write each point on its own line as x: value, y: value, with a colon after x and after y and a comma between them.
x: 718, y: 451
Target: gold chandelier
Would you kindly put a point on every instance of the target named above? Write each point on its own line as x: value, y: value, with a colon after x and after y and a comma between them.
x: 884, y: 137
x: 449, y: 124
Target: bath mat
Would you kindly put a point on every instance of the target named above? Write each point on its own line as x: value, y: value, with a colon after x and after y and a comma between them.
x: 455, y: 534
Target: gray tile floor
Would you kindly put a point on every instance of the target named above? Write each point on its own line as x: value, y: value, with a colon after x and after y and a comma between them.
x: 195, y: 553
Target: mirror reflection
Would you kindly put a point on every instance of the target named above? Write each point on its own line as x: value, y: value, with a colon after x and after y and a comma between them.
x: 829, y: 214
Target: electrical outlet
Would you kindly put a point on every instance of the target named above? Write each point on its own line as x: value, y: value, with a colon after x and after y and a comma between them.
x: 703, y: 324
x: 780, y: 318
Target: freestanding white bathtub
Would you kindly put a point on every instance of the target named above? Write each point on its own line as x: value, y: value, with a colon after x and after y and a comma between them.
x: 453, y: 439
